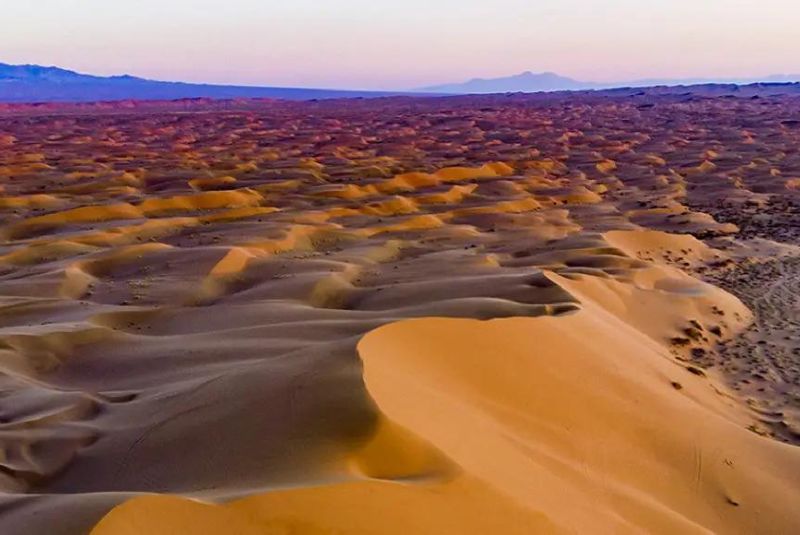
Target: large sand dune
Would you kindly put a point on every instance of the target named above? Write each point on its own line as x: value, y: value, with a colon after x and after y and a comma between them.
x: 470, y: 315
x: 569, y: 424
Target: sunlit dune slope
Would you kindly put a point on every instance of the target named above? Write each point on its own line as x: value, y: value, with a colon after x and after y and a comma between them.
x: 578, y: 423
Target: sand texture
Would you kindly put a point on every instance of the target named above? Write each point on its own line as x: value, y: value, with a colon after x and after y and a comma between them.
x: 496, y: 314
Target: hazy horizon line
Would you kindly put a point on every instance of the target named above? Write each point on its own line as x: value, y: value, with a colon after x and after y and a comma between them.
x: 468, y: 78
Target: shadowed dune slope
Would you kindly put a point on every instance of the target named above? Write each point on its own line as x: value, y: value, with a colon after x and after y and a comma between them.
x: 573, y: 424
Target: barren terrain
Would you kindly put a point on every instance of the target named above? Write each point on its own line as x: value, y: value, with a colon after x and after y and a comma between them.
x: 505, y: 314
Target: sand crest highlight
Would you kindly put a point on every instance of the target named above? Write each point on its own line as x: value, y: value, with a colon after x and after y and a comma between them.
x: 577, y: 423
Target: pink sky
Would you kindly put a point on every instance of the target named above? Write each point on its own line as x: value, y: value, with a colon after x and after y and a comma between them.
x: 404, y: 44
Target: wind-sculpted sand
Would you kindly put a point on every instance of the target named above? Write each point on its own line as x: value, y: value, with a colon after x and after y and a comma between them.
x: 499, y: 314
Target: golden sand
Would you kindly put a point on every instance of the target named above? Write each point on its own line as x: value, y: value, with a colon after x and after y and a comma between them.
x: 476, y: 315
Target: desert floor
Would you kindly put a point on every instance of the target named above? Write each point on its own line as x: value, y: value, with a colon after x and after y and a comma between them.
x: 498, y: 314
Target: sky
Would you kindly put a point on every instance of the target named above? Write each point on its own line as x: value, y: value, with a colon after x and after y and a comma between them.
x: 402, y: 44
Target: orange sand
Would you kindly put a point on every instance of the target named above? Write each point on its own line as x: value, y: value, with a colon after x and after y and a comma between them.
x: 473, y: 315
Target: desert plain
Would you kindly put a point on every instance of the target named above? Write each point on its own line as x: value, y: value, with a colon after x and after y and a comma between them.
x: 482, y: 314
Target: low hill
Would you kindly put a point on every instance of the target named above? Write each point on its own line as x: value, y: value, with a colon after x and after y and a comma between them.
x: 35, y: 83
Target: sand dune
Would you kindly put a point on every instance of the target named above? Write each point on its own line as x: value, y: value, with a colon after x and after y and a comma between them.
x: 552, y: 424
x: 470, y: 315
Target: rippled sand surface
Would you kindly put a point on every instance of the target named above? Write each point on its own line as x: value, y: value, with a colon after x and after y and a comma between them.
x: 508, y: 314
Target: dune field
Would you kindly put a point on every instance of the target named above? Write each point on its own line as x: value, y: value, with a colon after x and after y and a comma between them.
x: 469, y: 315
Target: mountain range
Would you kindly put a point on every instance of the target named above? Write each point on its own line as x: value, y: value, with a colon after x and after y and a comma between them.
x: 35, y: 83
x: 529, y: 82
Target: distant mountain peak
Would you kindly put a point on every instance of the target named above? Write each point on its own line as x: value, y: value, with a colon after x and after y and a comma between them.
x: 533, y: 82
x: 530, y: 74
x: 527, y: 81
x: 28, y: 72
